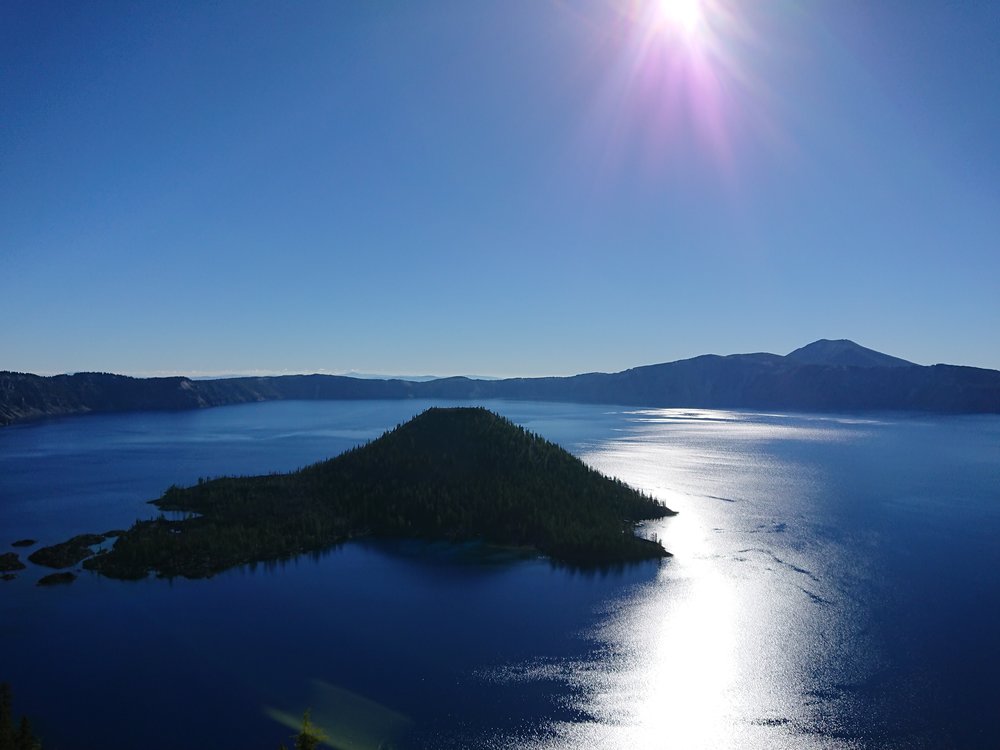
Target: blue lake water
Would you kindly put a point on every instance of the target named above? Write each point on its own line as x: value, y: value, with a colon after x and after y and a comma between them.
x: 834, y: 585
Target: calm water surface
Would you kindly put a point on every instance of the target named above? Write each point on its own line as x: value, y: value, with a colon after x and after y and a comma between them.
x: 834, y: 585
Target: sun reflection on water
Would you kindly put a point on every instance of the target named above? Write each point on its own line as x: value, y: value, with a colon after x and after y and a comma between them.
x: 717, y: 651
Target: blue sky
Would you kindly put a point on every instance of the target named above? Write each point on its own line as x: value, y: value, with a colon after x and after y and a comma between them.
x: 512, y: 188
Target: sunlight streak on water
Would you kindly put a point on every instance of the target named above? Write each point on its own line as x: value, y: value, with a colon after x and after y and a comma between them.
x: 725, y: 648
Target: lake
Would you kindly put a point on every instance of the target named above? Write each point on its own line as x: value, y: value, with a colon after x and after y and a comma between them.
x: 834, y: 585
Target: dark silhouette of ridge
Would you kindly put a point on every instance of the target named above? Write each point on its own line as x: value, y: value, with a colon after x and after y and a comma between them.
x: 825, y: 376
x: 844, y: 352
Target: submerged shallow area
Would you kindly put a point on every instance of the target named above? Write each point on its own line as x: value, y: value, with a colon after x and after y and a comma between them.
x: 832, y: 586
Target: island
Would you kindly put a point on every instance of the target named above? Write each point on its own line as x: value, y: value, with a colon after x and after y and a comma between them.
x: 56, y: 579
x: 69, y: 553
x: 455, y: 474
x: 10, y: 561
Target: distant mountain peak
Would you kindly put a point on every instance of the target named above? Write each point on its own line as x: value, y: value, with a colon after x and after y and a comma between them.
x: 843, y: 352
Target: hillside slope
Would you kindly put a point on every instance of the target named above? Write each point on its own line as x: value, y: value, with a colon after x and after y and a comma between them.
x: 843, y: 352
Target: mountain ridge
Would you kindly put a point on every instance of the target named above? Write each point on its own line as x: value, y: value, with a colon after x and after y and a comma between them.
x: 825, y: 376
x: 844, y: 352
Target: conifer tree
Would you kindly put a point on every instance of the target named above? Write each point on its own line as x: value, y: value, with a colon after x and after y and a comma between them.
x: 310, y: 735
x: 10, y: 739
x: 24, y: 739
x: 6, y: 719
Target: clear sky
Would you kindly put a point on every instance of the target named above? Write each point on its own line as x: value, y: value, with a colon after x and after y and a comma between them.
x: 516, y: 187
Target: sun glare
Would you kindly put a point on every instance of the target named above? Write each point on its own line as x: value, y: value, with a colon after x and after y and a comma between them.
x: 681, y: 88
x: 681, y: 15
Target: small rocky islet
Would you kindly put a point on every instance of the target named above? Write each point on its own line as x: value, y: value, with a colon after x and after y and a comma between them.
x: 56, y: 579
x: 69, y: 553
x: 10, y: 561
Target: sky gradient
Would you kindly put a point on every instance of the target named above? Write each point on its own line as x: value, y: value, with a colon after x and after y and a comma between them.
x: 525, y: 187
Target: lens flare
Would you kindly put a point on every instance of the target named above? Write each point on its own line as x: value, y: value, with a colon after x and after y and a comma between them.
x: 682, y: 15
x: 682, y: 92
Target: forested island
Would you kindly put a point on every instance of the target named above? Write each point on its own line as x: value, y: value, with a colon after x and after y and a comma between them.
x: 448, y: 474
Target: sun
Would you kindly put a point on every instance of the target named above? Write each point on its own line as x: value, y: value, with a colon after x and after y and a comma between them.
x: 679, y: 15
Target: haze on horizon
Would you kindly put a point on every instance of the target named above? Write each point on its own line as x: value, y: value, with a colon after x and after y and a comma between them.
x: 505, y: 188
